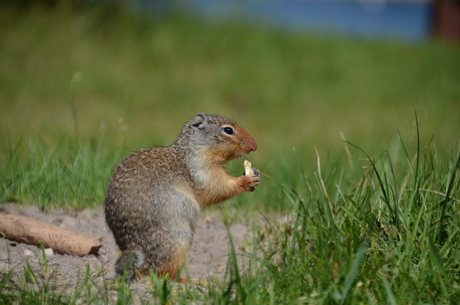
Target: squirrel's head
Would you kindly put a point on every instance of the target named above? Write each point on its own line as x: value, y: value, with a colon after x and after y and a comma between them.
x: 218, y: 135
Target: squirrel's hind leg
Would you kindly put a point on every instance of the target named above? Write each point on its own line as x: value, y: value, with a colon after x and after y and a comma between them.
x: 128, y: 261
x: 175, y: 263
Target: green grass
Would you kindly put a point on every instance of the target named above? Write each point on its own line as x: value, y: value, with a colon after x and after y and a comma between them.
x: 350, y: 236
x: 369, y: 221
x: 70, y: 175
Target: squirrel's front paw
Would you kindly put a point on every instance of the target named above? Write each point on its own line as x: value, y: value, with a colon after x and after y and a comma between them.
x: 249, y: 182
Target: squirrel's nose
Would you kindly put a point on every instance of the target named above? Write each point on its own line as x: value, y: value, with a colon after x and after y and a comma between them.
x: 252, y: 145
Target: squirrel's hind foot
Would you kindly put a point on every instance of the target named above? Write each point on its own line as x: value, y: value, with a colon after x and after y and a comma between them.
x: 128, y: 261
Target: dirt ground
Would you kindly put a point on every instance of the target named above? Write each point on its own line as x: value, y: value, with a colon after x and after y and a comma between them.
x: 208, y: 255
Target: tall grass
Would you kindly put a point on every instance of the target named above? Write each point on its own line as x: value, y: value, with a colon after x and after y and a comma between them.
x: 71, y: 175
x: 383, y: 239
x: 384, y: 233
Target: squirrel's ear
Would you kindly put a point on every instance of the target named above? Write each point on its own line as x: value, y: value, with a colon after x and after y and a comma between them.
x: 199, y: 121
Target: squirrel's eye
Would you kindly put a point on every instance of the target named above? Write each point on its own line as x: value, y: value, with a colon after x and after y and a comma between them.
x: 228, y: 130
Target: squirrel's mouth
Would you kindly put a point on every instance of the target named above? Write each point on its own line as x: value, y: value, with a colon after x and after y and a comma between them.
x: 243, y: 154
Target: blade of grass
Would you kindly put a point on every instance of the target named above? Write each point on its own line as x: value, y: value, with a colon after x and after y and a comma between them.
x: 390, y: 296
x: 417, y: 166
x: 441, y: 236
x: 437, y: 257
x: 381, y: 184
x: 236, y: 276
x: 395, y: 192
x: 353, y: 272
x: 323, y: 186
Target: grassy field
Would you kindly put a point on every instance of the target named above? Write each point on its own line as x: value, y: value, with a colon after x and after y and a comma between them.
x: 372, y: 224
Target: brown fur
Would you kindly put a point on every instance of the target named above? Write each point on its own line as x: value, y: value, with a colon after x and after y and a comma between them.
x: 154, y: 196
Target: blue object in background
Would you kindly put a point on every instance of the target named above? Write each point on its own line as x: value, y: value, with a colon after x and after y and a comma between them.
x: 401, y: 20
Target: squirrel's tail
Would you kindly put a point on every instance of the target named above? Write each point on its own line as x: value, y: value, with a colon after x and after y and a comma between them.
x: 128, y: 261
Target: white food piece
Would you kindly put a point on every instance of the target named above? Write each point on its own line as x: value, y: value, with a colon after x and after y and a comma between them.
x: 248, y: 168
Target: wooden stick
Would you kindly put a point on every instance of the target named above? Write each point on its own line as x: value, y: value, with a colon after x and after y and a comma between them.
x: 34, y: 232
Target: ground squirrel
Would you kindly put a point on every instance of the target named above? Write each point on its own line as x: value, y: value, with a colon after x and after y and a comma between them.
x: 154, y: 196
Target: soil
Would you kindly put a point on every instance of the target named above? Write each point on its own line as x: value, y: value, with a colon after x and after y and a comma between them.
x: 207, y: 257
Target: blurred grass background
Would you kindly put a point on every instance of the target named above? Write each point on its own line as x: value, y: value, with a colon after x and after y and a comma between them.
x: 82, y: 86
x: 112, y: 81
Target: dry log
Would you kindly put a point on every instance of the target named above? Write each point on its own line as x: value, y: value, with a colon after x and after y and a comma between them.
x: 34, y: 232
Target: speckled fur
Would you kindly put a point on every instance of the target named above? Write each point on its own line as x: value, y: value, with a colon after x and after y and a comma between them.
x: 154, y: 196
